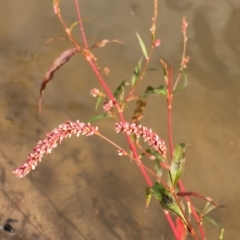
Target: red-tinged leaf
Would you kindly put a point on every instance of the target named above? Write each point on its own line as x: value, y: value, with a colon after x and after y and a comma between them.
x: 58, y: 62
x: 207, y: 199
x: 104, y: 42
x: 181, y: 229
x: 161, y: 90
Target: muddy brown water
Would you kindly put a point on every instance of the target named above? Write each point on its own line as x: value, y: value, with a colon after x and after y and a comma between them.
x: 83, y: 190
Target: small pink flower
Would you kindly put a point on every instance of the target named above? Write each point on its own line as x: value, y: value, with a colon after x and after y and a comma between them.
x: 185, y: 62
x: 140, y: 131
x: 106, y: 71
x: 108, y: 105
x: 121, y: 152
x: 157, y: 43
x: 53, y: 138
x: 94, y: 92
x: 55, y: 9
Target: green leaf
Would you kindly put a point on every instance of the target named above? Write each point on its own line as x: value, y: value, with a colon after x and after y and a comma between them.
x: 119, y: 92
x: 208, y: 208
x: 166, y: 199
x: 213, y: 222
x: 152, y: 69
x: 136, y: 72
x: 73, y: 25
x: 148, y: 196
x: 98, y: 102
x: 144, y: 50
x: 161, y: 90
x: 156, y: 159
x: 157, y: 167
x: 221, y: 234
x: 177, y: 163
x: 186, y: 83
x: 98, y: 117
x: 76, y: 23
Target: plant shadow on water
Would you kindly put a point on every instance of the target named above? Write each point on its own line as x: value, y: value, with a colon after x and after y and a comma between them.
x: 83, y: 190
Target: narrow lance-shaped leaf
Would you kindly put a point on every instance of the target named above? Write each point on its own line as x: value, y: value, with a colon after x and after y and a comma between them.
x: 98, y: 117
x: 221, y: 234
x: 186, y: 83
x: 73, y: 25
x: 77, y: 22
x: 207, y: 199
x: 148, y: 196
x: 144, y: 50
x: 167, y: 201
x: 58, y: 62
x: 152, y: 69
x: 213, y: 222
x: 98, y: 102
x: 136, y: 72
x: 161, y: 90
x: 177, y: 163
x: 208, y: 208
x: 119, y: 92
x: 157, y: 159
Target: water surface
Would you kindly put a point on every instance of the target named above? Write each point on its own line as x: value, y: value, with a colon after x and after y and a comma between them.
x: 83, y: 190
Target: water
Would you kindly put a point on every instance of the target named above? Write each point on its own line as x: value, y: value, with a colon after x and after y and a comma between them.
x: 83, y: 190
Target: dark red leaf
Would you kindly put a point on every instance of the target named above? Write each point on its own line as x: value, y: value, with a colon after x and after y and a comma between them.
x: 194, y: 194
x: 58, y: 62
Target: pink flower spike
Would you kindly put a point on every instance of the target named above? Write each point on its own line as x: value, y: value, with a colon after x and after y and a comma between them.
x: 138, y: 130
x: 53, y: 138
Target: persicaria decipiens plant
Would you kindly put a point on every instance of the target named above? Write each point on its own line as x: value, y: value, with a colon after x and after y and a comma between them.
x: 171, y: 194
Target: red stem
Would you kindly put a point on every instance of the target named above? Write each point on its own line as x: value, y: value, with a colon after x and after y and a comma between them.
x: 181, y: 186
x: 81, y: 24
x: 169, y: 112
x: 201, y: 230
x: 109, y: 93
